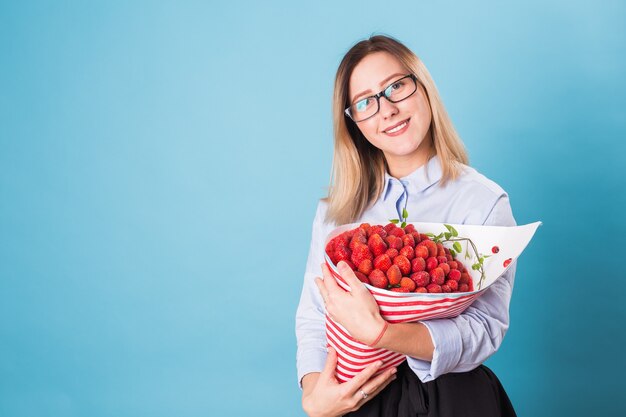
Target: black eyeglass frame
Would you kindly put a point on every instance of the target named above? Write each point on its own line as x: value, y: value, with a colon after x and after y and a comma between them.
x: 382, y: 94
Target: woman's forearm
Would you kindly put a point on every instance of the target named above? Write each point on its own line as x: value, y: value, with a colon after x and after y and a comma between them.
x: 412, y: 339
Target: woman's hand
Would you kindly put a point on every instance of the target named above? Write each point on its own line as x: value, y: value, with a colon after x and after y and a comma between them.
x: 356, y: 310
x: 324, y: 396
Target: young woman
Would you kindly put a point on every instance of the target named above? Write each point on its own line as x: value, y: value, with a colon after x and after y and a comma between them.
x: 395, y: 149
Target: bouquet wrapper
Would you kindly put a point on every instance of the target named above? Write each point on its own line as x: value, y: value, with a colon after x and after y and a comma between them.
x: 353, y: 356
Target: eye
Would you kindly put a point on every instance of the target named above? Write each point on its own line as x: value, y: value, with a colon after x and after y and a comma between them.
x: 361, y: 105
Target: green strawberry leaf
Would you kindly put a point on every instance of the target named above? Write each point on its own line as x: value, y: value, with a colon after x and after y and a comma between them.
x: 394, y: 221
x: 457, y: 247
x: 405, y: 214
x: 403, y: 225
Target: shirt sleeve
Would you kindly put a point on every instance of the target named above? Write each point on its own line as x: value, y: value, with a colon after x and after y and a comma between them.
x: 310, y: 320
x: 464, y: 342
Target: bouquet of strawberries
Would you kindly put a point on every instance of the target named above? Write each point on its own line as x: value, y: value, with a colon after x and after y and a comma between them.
x: 415, y: 272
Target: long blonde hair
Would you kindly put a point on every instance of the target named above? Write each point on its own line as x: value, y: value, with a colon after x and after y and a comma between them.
x: 358, y: 170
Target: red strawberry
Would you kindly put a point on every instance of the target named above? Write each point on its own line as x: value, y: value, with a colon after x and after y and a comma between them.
x: 424, y: 237
x: 507, y: 262
x: 495, y: 249
x: 394, y: 275
x: 409, y: 228
x: 378, y: 279
x: 392, y: 253
x: 362, y: 277
x: 360, y: 253
x: 418, y: 264
x: 454, y: 285
x: 463, y: 288
x: 431, y: 263
x: 449, y: 257
x: 408, y: 283
x: 437, y: 276
x: 432, y: 247
x: 416, y: 236
x: 407, y: 251
x: 341, y: 254
x: 357, y: 239
x: 377, y: 245
x: 471, y: 285
x: 330, y: 248
x: 421, y: 251
x: 394, y: 242
x: 366, y: 266
x: 408, y: 240
x: 403, y: 263
x: 389, y: 227
x: 440, y: 250
x: 445, y: 288
x: 453, y: 265
x: 400, y: 289
x: 397, y: 231
x: 365, y: 227
x: 433, y: 288
x: 382, y: 262
x: 454, y: 274
x: 421, y: 278
x: 445, y: 267
x: 442, y: 259
x: 377, y: 230
x: 421, y: 289
x: 465, y: 278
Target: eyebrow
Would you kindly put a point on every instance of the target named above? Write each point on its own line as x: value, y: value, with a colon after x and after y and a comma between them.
x: 383, y: 82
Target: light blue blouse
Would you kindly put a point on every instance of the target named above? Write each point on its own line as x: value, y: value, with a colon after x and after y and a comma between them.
x: 461, y: 343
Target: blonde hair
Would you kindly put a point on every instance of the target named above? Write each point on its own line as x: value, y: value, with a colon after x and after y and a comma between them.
x: 358, y: 169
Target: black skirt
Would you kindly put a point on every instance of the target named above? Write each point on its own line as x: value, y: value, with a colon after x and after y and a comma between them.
x: 475, y: 393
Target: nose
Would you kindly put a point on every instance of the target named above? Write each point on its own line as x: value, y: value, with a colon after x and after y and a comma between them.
x: 387, y: 108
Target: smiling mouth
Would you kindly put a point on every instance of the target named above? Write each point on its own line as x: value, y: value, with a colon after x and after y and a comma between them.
x: 397, y: 128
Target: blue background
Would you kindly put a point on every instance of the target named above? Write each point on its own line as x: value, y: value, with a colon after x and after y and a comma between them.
x: 160, y: 164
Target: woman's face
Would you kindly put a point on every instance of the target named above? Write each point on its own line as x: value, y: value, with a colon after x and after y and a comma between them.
x: 408, y: 147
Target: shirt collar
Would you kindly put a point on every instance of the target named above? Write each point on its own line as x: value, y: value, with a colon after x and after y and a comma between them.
x: 418, y: 180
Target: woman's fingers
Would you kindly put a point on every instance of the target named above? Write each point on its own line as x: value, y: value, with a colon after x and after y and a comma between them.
x: 331, y: 363
x: 377, y: 384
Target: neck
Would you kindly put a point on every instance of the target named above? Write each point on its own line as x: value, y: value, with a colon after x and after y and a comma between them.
x: 401, y: 166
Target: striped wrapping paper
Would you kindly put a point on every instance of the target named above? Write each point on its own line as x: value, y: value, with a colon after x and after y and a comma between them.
x: 353, y: 356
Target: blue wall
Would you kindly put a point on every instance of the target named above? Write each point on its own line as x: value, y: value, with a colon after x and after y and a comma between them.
x: 158, y: 180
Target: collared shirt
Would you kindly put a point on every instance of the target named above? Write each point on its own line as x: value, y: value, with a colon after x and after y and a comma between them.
x: 461, y: 343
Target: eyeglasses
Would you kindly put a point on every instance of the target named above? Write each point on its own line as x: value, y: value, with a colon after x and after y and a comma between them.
x: 367, y: 107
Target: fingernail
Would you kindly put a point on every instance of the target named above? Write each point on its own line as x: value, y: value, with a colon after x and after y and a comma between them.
x: 393, y: 371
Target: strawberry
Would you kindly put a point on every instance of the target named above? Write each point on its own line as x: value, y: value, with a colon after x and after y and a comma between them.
x: 507, y: 262
x: 403, y: 263
x: 440, y: 250
x: 366, y: 266
x: 433, y: 288
x: 442, y: 259
x: 382, y: 262
x: 400, y: 289
x: 421, y: 278
x: 377, y: 230
x: 409, y: 228
x: 407, y: 251
x: 418, y: 264
x: 432, y: 247
x: 445, y: 288
x: 357, y: 239
x: 408, y: 240
x: 416, y: 236
x: 330, y: 248
x: 431, y: 263
x: 421, y: 289
x: 452, y: 284
x: 394, y: 241
x: 437, y: 276
x: 361, y: 276
x: 445, y: 267
x: 378, y: 279
x: 408, y: 283
x: 377, y: 245
x: 392, y: 253
x: 421, y: 251
x: 453, y: 265
x: 389, y: 226
x: 465, y: 278
x: 463, y: 288
x: 397, y: 231
x: 454, y: 274
x: 394, y: 275
x: 365, y: 227
x: 341, y: 254
x: 360, y: 253
x: 495, y: 249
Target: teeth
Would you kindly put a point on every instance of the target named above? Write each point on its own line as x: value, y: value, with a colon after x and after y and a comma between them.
x: 395, y: 129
